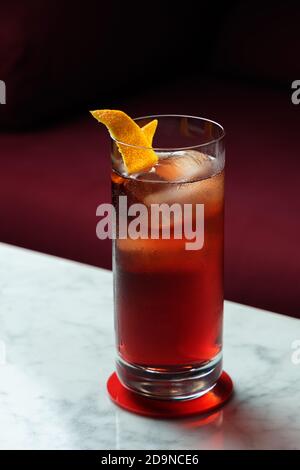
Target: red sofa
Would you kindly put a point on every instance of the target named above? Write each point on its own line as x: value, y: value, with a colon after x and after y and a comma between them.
x: 54, y: 176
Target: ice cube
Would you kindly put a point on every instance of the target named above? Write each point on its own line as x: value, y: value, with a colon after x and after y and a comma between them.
x: 183, y: 166
x: 208, y: 191
x: 184, y: 177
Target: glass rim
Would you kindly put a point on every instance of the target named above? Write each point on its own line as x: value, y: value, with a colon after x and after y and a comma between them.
x: 176, y: 149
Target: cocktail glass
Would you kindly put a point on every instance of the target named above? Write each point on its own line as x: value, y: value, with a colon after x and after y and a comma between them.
x: 168, y: 291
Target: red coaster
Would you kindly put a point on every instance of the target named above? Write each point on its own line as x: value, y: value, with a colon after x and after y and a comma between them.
x: 154, y: 408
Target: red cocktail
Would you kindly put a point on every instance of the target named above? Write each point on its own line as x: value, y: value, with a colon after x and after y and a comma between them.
x: 169, y: 289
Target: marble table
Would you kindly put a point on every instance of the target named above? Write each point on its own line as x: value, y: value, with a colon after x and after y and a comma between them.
x: 57, y: 350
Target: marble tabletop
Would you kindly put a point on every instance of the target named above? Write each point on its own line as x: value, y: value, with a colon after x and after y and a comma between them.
x: 57, y: 350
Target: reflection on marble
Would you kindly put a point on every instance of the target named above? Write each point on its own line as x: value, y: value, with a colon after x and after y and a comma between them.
x: 57, y: 324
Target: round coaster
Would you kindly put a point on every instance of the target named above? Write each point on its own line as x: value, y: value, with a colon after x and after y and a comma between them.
x: 141, y: 405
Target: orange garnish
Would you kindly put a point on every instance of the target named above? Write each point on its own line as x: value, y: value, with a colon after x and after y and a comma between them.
x: 137, y: 155
x: 149, y: 130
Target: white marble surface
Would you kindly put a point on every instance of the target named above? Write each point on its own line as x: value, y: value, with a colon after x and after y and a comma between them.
x: 57, y: 326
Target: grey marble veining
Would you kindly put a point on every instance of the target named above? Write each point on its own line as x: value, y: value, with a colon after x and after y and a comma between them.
x: 57, y: 326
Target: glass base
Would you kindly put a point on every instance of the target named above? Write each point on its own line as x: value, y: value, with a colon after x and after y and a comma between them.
x: 210, y: 402
x: 170, y: 384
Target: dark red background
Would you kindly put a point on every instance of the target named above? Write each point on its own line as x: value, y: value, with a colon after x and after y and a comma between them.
x: 233, y: 63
